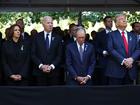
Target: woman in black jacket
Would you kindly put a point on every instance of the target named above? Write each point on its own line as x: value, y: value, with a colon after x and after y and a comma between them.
x: 15, y: 57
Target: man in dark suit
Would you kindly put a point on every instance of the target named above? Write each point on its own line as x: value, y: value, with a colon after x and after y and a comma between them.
x: 70, y: 37
x: 136, y: 31
x: 101, y: 49
x: 124, y: 51
x: 80, y: 60
x: 46, y: 54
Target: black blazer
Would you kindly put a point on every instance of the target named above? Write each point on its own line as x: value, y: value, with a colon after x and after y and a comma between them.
x: 101, y: 41
x: 26, y: 36
x: 40, y: 54
x: 15, y: 58
x: 101, y: 45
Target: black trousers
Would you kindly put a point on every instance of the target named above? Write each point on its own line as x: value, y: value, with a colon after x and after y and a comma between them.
x: 48, y: 79
x: 120, y: 81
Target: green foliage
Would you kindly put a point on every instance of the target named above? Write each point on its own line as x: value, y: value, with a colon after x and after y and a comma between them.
x: 133, y: 17
x: 11, y: 17
x: 34, y: 17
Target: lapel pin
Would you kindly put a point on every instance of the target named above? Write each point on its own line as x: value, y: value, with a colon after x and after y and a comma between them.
x: 130, y: 38
x: 53, y: 38
x: 22, y: 48
x: 86, y: 47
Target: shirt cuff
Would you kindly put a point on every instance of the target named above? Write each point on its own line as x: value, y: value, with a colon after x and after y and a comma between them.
x: 53, y: 67
x: 122, y: 62
x: 40, y: 65
x: 105, y: 52
x: 89, y: 76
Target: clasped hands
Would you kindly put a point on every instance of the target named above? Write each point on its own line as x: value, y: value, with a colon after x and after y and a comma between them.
x: 46, y: 68
x: 82, y: 80
x: 16, y: 77
x: 128, y: 62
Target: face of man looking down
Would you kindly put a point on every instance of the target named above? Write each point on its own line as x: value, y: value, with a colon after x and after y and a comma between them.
x: 80, y: 36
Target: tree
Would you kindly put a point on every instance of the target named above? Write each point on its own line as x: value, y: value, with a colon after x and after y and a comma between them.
x: 34, y: 17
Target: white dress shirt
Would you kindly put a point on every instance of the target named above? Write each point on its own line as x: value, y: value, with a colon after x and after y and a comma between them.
x: 49, y: 36
x: 78, y: 45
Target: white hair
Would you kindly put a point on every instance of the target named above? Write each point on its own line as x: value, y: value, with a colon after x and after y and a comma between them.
x: 46, y: 18
x: 80, y: 29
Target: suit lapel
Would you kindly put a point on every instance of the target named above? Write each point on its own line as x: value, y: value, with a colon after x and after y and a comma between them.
x: 42, y: 40
x: 85, y: 50
x: 77, y: 51
x: 120, y: 39
x: 52, y: 39
x: 129, y: 41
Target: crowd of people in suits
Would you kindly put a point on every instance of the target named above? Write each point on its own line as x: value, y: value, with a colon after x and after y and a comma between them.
x: 55, y: 57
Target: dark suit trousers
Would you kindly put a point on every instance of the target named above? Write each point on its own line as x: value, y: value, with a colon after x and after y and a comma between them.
x: 48, y: 79
x: 120, y: 81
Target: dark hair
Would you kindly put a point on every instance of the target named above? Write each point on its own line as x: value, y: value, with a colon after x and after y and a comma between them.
x: 71, y: 25
x: 104, y: 20
x: 133, y: 24
x: 21, y: 19
x: 33, y: 32
x: 11, y: 31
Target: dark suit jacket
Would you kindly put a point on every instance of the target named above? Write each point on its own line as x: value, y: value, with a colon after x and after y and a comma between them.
x: 26, y: 36
x: 40, y: 54
x: 117, y: 51
x: 101, y: 45
x: 69, y: 40
x: 15, y: 58
x: 74, y: 64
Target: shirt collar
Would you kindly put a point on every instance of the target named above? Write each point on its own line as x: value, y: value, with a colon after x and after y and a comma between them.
x: 74, y: 38
x: 107, y: 30
x: 45, y: 33
x: 80, y: 45
x: 122, y: 31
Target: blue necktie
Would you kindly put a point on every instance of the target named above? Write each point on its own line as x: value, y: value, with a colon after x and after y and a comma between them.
x: 47, y: 41
x: 81, y: 52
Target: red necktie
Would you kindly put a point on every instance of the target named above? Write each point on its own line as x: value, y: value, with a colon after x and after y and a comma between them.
x: 125, y: 43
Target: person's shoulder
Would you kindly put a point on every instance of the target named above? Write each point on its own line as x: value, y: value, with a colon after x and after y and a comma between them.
x: 132, y: 34
x: 26, y: 34
x: 113, y: 32
x: 89, y: 45
x: 71, y: 44
x: 101, y: 32
x: 7, y: 43
x: 38, y: 35
x: 56, y: 35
